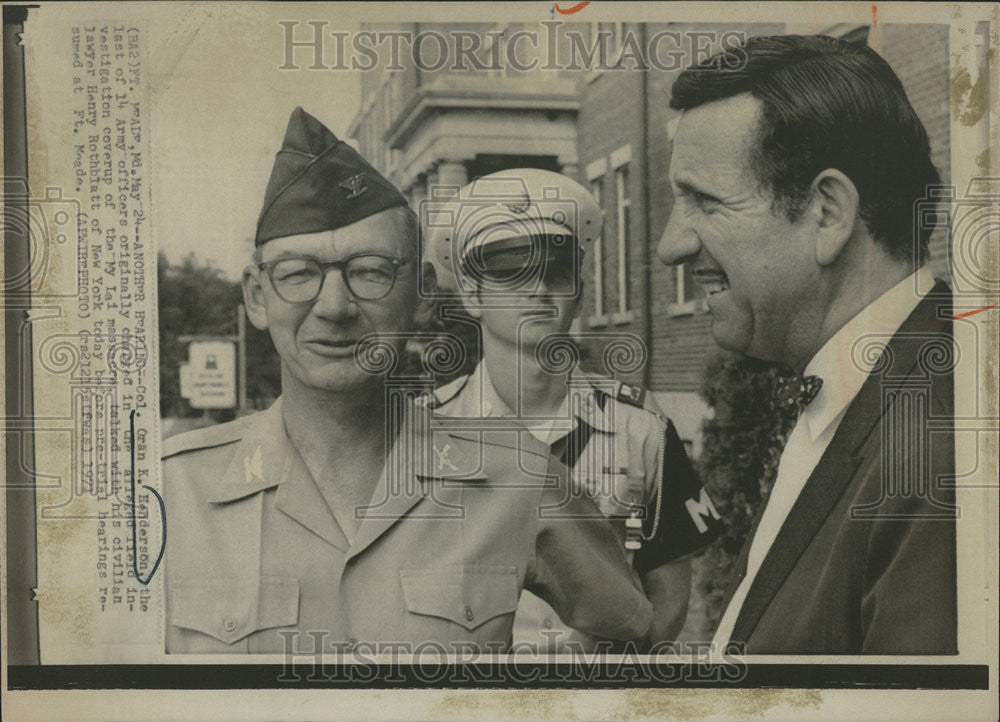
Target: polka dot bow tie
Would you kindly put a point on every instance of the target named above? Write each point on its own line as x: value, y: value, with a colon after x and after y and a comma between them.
x: 795, y: 392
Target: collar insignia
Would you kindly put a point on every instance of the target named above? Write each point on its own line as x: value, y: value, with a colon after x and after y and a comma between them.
x: 442, y: 457
x: 253, y: 468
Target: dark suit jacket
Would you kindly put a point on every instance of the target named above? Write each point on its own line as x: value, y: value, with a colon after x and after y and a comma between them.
x: 865, y: 561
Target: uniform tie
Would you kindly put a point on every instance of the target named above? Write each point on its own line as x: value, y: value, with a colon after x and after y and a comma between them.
x: 793, y: 393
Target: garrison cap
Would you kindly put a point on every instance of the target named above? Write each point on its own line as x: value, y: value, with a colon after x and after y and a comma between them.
x: 319, y: 183
x: 506, y: 220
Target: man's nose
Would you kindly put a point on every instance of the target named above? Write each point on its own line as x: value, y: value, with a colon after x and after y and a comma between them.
x: 679, y: 242
x: 335, y: 300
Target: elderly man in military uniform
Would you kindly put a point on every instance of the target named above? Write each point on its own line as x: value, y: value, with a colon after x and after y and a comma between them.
x: 511, y: 244
x: 339, y: 517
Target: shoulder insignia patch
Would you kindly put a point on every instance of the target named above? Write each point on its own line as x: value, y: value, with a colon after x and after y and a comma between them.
x: 632, y: 395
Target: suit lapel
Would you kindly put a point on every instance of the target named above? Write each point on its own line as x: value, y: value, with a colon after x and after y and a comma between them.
x: 740, y: 568
x: 837, y: 466
x: 820, y: 494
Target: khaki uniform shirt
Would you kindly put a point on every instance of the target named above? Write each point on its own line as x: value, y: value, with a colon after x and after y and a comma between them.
x: 619, y: 465
x: 459, y: 523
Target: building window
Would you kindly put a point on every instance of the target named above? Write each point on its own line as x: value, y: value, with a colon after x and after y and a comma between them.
x: 619, y: 161
x: 622, y: 206
x: 595, y: 177
x: 595, y: 188
x: 689, y: 295
x: 687, y: 288
x: 611, y: 250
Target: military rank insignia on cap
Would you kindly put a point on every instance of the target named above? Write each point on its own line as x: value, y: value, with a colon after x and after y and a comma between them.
x: 320, y: 183
x: 504, y: 221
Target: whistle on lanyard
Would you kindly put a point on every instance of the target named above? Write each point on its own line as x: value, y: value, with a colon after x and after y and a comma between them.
x: 633, y: 524
x: 633, y: 532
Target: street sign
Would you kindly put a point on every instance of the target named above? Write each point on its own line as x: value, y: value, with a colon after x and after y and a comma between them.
x: 208, y: 379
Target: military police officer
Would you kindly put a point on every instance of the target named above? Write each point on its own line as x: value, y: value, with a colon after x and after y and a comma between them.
x: 511, y: 244
x: 345, y: 517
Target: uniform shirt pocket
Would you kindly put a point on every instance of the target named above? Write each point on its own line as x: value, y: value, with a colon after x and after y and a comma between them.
x: 466, y: 595
x: 231, y: 609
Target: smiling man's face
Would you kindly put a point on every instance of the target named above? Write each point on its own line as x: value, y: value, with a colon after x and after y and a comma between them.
x: 316, y: 339
x: 758, y: 267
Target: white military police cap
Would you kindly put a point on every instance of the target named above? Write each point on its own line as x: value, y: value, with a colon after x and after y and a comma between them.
x: 523, y: 212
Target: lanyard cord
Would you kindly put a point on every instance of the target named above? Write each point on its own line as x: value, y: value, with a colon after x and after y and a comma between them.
x: 659, y: 481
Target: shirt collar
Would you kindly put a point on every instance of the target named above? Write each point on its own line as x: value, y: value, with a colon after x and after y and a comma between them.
x: 260, y: 461
x: 266, y: 457
x: 839, y: 363
x: 582, y: 394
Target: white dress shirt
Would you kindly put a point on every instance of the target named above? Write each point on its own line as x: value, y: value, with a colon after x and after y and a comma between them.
x: 844, y: 369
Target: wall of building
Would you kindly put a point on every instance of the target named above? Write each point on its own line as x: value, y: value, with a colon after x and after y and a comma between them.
x: 610, y: 127
x: 627, y: 112
x: 919, y: 55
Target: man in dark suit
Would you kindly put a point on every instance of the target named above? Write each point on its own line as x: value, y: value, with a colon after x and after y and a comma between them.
x: 796, y: 165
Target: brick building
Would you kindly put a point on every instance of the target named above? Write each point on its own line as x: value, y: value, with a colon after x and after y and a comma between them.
x: 608, y: 129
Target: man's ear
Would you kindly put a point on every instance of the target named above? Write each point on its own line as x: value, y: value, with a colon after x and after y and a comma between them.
x: 578, y: 301
x: 253, y: 297
x: 836, y: 207
x: 472, y: 303
x: 427, y: 301
x: 470, y: 300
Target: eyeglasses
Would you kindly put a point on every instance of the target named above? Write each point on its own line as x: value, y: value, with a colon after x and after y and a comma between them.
x: 368, y: 277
